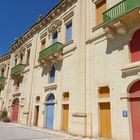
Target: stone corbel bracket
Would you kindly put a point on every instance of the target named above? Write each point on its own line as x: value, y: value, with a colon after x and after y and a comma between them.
x: 121, y: 28
x: 55, y: 26
x: 109, y: 32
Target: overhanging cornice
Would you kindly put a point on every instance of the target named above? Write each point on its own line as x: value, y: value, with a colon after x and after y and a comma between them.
x: 46, y: 20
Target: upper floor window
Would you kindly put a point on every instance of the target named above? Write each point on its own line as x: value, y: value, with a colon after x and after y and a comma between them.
x: 17, y: 85
x: 55, y: 37
x: 21, y: 59
x: 2, y: 72
x: 52, y: 75
x: 135, y: 46
x: 8, y: 71
x: 28, y: 57
x: 15, y: 61
x: 100, y: 8
x: 69, y: 32
x: 43, y: 44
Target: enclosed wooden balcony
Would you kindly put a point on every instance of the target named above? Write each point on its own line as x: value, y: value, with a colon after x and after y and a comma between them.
x: 126, y: 10
x: 52, y: 54
x: 17, y: 70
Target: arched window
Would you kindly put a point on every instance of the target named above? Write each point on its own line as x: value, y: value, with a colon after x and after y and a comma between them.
x: 52, y: 75
x: 135, y: 46
x: 50, y: 98
x: 2, y: 72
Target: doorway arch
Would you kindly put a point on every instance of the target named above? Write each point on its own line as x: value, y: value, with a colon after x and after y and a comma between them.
x: 50, y: 111
x: 134, y: 91
x: 15, y: 110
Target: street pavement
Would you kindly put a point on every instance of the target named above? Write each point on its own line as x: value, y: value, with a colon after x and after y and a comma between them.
x: 16, y: 132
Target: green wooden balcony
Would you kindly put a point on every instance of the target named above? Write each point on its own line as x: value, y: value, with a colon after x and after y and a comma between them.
x: 2, y: 80
x: 17, y: 70
x: 120, y: 9
x: 55, y: 49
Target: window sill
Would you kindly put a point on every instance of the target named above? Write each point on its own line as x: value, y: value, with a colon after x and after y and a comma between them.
x: 68, y: 43
x: 69, y: 47
x: 131, y: 67
x: 27, y: 68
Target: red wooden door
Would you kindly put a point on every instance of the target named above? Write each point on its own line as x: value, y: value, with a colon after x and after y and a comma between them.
x: 15, y: 110
x: 135, y: 109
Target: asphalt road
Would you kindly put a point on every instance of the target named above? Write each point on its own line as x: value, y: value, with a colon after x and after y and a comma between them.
x: 14, y: 132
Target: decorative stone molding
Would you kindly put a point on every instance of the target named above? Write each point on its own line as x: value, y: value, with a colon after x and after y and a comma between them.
x: 55, y: 26
x: 131, y: 67
x: 51, y: 60
x: 5, y: 57
x: 120, y: 27
x: 109, y: 32
x: 51, y: 86
x: 79, y: 114
x: 43, y: 35
x: 65, y: 102
x: 68, y: 16
x: 97, y: 1
x: 61, y: 7
x: 3, y: 66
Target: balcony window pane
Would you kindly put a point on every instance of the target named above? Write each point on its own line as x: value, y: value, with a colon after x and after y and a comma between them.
x: 69, y: 32
x: 55, y: 37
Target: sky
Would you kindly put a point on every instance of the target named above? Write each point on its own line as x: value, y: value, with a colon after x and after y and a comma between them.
x: 17, y: 16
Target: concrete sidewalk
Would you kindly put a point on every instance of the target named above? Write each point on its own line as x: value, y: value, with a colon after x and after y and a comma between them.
x: 59, y: 133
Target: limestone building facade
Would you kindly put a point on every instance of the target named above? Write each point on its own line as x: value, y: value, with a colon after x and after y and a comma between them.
x: 77, y: 70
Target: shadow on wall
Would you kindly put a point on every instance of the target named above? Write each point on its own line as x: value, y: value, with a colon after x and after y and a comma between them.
x: 47, y: 69
x: 116, y: 44
x: 18, y: 80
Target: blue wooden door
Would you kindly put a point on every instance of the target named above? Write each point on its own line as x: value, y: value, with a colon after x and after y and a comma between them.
x: 50, y: 112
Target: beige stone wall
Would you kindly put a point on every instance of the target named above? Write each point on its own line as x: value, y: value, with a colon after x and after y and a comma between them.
x: 4, y: 90
x: 107, y: 62
x: 90, y: 61
x: 70, y: 74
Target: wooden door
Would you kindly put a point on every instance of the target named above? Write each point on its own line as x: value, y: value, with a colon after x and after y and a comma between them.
x: 15, y: 111
x: 65, y: 118
x: 105, y: 120
x: 135, y: 117
x: 36, y: 115
x: 50, y: 116
x: 100, y: 8
x: 135, y: 109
